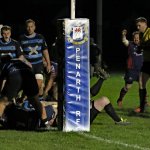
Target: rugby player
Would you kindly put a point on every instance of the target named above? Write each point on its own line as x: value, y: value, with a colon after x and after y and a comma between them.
x: 19, y: 76
x: 134, y: 63
x: 35, y: 48
x: 142, y: 26
x: 9, y: 46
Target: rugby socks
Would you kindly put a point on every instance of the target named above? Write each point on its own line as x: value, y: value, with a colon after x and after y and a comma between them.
x: 41, y: 98
x: 122, y: 94
x: 142, y: 94
x: 44, y: 122
x: 93, y: 112
x: 94, y: 90
x: 111, y: 112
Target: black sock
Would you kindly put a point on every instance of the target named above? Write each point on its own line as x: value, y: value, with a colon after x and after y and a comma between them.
x: 142, y: 94
x: 122, y: 94
x: 40, y: 97
x: 111, y: 112
x: 93, y: 112
x: 94, y: 90
x: 43, y: 122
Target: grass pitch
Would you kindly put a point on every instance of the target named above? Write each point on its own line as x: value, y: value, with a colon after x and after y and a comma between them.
x: 104, y: 134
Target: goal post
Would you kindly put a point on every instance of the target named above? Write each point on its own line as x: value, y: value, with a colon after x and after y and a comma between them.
x: 75, y: 74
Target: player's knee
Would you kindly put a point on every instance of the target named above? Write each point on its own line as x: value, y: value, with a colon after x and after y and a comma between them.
x: 105, y: 100
x: 39, y: 76
x: 101, y: 103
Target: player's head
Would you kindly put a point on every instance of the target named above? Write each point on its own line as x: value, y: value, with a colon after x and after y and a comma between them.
x: 136, y: 37
x: 30, y: 26
x: 6, y: 33
x: 141, y: 24
x: 141, y: 19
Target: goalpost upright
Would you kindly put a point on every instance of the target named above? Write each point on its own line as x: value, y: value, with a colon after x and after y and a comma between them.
x: 73, y: 73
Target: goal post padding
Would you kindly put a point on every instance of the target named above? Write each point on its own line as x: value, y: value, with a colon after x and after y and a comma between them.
x: 74, y: 74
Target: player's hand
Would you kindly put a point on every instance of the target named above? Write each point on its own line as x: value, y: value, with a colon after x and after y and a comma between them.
x: 48, y: 68
x: 29, y: 64
x: 124, y: 32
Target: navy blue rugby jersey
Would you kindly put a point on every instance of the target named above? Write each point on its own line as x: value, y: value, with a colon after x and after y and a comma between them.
x: 33, y: 47
x: 13, y: 66
x: 11, y: 48
x: 135, y: 59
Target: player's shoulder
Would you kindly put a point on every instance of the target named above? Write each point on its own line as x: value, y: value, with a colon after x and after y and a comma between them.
x: 39, y: 35
x: 148, y: 29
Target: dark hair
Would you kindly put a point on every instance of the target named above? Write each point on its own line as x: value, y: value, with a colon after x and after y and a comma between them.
x: 141, y: 19
x: 5, y: 28
x: 136, y: 32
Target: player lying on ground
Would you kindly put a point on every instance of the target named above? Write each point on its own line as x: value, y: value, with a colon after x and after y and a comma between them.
x: 24, y: 116
x: 13, y: 112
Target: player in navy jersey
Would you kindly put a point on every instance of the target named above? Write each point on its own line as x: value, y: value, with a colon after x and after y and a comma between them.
x: 9, y: 46
x: 134, y: 63
x: 35, y: 47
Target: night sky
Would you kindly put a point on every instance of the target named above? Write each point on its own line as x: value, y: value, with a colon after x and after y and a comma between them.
x: 117, y: 15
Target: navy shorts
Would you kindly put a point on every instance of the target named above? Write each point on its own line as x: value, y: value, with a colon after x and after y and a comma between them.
x: 131, y: 75
x: 38, y: 68
x: 24, y: 80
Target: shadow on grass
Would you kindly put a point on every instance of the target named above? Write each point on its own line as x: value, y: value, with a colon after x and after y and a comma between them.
x: 131, y: 113
x: 33, y: 130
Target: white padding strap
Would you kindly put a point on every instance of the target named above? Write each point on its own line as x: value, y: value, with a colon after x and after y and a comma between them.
x: 39, y: 76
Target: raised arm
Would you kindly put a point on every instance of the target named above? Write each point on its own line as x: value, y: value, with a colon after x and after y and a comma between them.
x: 124, y: 39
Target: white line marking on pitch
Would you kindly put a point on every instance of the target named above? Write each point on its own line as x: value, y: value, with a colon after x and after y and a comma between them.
x: 113, y: 142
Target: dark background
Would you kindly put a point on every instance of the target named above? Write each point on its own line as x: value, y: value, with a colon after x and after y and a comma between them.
x: 117, y: 15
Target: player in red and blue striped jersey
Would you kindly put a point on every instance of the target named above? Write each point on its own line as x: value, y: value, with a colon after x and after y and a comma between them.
x: 134, y: 63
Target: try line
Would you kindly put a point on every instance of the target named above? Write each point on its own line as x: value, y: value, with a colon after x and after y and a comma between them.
x: 113, y: 142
